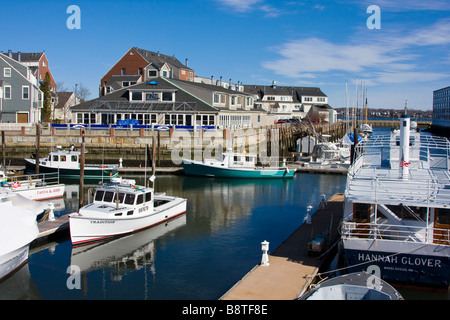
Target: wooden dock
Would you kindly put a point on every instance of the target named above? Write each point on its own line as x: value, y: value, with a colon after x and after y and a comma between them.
x: 48, y: 227
x: 291, y: 269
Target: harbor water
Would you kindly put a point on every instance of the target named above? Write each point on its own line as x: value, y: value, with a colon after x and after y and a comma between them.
x: 200, y: 255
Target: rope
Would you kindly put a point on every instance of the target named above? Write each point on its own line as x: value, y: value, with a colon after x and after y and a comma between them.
x: 56, y: 223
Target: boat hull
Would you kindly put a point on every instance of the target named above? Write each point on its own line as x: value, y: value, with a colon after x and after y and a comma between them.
x: 85, y: 229
x: 42, y: 193
x: 197, y: 169
x: 13, y: 260
x: 90, y: 171
x: 412, y: 263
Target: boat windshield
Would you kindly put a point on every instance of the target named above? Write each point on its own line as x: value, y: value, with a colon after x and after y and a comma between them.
x: 129, y: 198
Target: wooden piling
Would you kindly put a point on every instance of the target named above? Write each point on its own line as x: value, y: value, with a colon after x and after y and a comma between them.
x: 38, y: 144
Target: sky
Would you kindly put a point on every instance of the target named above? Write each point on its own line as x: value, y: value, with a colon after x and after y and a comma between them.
x: 399, y: 52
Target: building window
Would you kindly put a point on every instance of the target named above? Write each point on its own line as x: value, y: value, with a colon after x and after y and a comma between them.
x: 7, y: 92
x: 167, y: 96
x: 152, y: 73
x: 140, y: 71
x: 151, y: 97
x: 136, y: 96
x: 25, y: 93
x: 7, y: 72
x: 124, y: 71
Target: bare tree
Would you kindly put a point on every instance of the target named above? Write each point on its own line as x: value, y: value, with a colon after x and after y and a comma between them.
x: 82, y: 92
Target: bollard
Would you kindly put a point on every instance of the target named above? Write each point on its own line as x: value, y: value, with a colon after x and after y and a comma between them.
x: 307, y: 219
x: 51, y: 215
x: 265, y: 256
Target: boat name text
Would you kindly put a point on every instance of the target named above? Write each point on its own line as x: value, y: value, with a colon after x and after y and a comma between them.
x: 409, y: 261
x: 102, y: 221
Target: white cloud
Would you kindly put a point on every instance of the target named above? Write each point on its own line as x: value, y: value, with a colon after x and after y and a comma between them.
x: 388, y: 59
x: 240, y: 5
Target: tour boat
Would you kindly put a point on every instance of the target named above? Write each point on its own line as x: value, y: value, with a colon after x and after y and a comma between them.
x: 34, y: 187
x: 67, y: 165
x: 396, y: 208
x: 353, y: 286
x: 122, y: 208
x: 235, y: 165
x: 17, y: 230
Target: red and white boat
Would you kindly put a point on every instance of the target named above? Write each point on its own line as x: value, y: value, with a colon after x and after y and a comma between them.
x: 122, y: 208
x: 34, y: 186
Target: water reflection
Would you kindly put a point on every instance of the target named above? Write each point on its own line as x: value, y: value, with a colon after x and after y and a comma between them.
x: 198, y: 256
x: 123, y: 255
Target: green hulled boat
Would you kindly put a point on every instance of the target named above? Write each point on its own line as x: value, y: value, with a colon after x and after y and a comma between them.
x: 235, y: 165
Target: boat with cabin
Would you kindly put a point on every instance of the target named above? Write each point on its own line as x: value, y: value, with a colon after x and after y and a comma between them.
x: 396, y: 208
x: 67, y: 164
x: 18, y: 229
x: 235, y: 165
x: 34, y: 186
x: 122, y: 208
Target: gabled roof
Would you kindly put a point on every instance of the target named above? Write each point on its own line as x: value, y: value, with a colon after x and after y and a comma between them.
x: 118, y: 101
x: 295, y: 92
x: 160, y: 59
x: 25, y: 56
x: 63, y: 98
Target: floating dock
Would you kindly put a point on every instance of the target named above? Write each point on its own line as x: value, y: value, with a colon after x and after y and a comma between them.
x: 291, y: 268
x: 48, y: 227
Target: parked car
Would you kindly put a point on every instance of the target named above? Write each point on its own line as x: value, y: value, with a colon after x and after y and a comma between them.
x: 281, y: 122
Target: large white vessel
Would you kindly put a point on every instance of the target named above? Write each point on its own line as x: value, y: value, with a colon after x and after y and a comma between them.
x: 396, y: 209
x: 120, y: 209
x: 17, y: 230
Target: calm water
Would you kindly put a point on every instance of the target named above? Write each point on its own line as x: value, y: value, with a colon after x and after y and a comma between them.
x: 198, y: 256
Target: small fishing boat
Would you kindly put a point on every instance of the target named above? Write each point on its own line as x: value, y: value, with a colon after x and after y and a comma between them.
x: 17, y: 230
x: 121, y: 208
x: 235, y: 165
x: 353, y: 286
x: 67, y: 165
x: 34, y: 187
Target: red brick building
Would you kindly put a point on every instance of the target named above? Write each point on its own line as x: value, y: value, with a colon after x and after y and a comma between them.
x: 138, y: 65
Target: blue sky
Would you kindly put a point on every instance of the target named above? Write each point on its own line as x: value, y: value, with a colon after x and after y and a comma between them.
x: 299, y: 43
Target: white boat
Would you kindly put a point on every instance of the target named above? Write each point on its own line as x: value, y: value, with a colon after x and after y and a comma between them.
x: 235, y: 165
x: 67, y: 164
x: 17, y: 230
x: 122, y: 208
x: 396, y: 208
x: 34, y: 187
x: 354, y: 286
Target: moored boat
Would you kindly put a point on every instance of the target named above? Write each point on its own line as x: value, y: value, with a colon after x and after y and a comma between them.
x: 17, y: 230
x: 35, y: 187
x: 67, y: 165
x: 122, y: 208
x: 353, y: 286
x: 396, y: 215
x: 235, y: 165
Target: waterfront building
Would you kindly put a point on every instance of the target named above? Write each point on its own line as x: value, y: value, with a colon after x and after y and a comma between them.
x: 139, y: 65
x: 164, y: 101
x: 285, y: 102
x: 37, y: 62
x: 441, y: 111
x: 21, y: 100
x: 158, y: 101
x: 64, y: 101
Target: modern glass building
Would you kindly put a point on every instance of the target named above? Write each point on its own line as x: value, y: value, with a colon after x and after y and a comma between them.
x: 441, y: 111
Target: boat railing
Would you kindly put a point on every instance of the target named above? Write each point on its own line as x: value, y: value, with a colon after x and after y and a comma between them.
x: 403, y: 233
x: 40, y: 179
